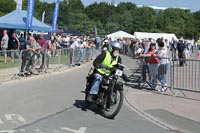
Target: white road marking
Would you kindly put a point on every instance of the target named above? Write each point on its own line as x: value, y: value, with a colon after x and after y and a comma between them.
x: 7, y: 131
x: 10, y: 117
x: 20, y: 118
x: 81, y: 130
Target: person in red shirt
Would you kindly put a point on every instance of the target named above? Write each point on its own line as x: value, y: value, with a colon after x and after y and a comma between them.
x: 153, y: 65
x: 41, y: 40
x: 153, y: 62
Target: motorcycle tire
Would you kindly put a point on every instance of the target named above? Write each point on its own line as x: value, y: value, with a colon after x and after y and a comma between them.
x: 108, y: 114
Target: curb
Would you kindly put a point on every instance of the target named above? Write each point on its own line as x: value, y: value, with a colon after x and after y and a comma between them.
x: 65, y: 69
x: 134, y: 107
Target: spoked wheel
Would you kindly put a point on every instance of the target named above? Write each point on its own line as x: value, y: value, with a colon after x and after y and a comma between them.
x: 116, y: 102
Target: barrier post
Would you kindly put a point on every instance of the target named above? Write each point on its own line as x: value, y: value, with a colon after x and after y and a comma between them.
x: 172, y: 75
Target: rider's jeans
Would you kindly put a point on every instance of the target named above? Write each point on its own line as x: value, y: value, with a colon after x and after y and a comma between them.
x: 95, y: 85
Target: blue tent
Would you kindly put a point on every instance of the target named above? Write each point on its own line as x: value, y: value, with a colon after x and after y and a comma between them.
x: 17, y: 20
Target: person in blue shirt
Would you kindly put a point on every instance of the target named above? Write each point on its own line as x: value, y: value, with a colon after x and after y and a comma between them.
x: 181, y: 52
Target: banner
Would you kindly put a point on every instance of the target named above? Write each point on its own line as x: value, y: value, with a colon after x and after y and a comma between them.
x: 55, y: 16
x: 19, y: 4
x: 30, y: 11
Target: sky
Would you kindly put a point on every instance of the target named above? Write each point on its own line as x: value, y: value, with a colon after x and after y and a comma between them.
x: 193, y: 5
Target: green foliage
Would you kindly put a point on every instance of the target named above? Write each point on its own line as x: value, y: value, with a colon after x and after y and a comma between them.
x: 7, y: 6
x: 110, y: 18
x: 99, y: 12
x: 79, y: 22
x: 176, y: 21
x: 197, y: 23
x: 75, y: 6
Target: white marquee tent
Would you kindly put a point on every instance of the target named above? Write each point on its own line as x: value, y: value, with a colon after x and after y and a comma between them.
x: 120, y: 34
x: 142, y: 35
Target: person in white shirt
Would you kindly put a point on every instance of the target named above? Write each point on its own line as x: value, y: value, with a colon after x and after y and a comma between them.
x: 4, y: 44
x: 188, y: 49
x: 164, y: 65
x: 73, y: 51
x: 81, y: 49
x: 74, y: 44
x: 87, y: 48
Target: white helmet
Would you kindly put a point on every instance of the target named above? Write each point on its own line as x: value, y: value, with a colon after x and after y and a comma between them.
x: 115, y: 45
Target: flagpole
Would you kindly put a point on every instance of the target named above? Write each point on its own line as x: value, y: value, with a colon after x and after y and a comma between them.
x: 43, y: 15
x: 19, y: 4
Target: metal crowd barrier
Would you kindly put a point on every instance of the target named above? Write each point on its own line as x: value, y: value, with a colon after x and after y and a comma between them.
x: 26, y: 63
x: 145, y: 71
x: 29, y: 60
x: 79, y: 56
x: 195, y: 50
x: 55, y: 61
x: 178, y: 78
x: 9, y: 66
x: 186, y: 77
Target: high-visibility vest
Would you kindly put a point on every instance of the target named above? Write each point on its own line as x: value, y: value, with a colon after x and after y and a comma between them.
x: 198, y: 42
x: 109, y: 62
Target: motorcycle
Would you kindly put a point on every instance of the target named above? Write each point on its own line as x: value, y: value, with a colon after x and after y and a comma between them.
x: 110, y: 97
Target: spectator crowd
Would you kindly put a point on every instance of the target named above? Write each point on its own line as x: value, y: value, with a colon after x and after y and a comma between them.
x: 155, y: 54
x: 41, y: 48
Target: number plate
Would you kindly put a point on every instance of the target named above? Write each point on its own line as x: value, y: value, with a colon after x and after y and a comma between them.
x: 118, y: 72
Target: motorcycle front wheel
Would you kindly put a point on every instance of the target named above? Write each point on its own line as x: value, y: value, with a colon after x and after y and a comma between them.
x: 116, y: 103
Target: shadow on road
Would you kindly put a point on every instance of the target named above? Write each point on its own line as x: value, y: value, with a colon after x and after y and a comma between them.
x: 81, y: 105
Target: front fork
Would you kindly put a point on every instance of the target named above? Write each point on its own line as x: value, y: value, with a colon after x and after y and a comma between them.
x: 109, y: 93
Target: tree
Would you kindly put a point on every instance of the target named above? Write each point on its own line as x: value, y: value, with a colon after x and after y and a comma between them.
x: 99, y: 12
x: 79, y: 22
x: 175, y: 21
x: 197, y: 24
x: 112, y: 27
x: 7, y: 6
x: 144, y: 19
x: 75, y: 6
x: 110, y: 18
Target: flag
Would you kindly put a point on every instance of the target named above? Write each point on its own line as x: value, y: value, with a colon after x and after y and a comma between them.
x: 55, y: 16
x: 30, y: 12
x: 95, y: 31
x: 19, y: 4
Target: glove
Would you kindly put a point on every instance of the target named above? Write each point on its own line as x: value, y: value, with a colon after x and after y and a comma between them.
x: 125, y: 77
x: 102, y: 66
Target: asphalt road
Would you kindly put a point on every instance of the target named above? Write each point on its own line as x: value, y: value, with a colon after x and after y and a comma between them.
x: 54, y: 104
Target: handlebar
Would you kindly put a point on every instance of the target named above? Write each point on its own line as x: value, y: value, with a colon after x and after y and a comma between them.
x: 122, y: 65
x: 118, y: 65
x: 113, y: 69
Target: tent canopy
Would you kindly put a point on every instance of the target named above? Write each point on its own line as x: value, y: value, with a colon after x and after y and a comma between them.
x: 17, y: 20
x: 120, y: 34
x: 143, y: 35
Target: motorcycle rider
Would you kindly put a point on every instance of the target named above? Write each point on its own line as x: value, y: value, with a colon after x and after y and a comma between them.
x: 107, y: 59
